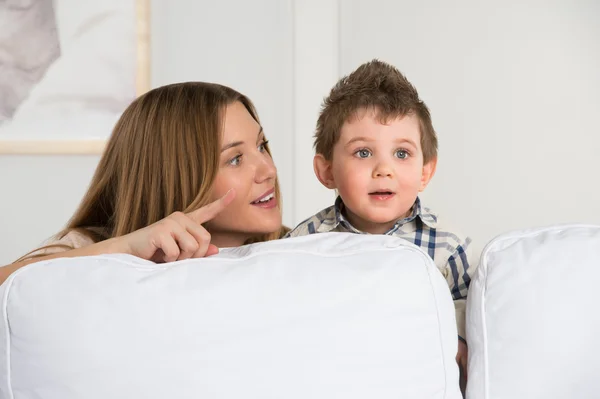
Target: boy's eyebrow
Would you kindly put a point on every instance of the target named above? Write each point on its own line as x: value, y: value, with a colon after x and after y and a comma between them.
x: 355, y: 139
x: 237, y: 143
x: 409, y: 141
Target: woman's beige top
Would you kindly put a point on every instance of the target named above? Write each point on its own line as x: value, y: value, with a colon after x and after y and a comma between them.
x: 73, y: 239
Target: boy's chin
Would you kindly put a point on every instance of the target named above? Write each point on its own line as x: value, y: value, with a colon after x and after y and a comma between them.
x: 384, y: 218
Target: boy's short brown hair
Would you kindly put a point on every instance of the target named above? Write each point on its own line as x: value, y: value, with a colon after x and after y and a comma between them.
x: 377, y: 85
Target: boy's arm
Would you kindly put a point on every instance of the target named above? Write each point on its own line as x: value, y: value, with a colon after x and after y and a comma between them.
x: 458, y: 272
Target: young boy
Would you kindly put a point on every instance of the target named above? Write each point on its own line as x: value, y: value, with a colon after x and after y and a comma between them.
x: 375, y: 144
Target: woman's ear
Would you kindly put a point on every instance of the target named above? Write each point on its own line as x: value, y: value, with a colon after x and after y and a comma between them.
x: 323, y: 172
x: 427, y: 173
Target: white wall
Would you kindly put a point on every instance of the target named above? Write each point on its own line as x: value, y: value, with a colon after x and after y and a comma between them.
x: 248, y: 49
x: 514, y: 91
x: 37, y: 196
x: 513, y: 88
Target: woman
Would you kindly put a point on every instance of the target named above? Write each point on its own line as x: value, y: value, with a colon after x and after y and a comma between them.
x: 186, y: 170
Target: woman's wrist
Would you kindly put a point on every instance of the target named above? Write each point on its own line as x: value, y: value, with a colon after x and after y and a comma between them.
x: 113, y: 245
x: 109, y: 246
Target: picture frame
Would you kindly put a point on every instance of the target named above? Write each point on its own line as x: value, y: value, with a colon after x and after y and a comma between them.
x: 81, y: 84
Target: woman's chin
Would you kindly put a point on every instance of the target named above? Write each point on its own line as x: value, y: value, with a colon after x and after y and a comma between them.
x: 265, y: 226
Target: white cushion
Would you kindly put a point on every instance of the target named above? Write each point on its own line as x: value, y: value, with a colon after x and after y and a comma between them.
x: 532, y: 316
x: 323, y: 316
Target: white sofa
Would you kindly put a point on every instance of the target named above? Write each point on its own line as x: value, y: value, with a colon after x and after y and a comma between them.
x: 532, y: 316
x: 325, y: 316
x: 328, y: 316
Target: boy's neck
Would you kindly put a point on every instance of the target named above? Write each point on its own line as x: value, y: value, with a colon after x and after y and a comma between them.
x: 367, y: 226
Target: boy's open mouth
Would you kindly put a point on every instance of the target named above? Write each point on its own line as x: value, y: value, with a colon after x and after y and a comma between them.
x: 382, y: 193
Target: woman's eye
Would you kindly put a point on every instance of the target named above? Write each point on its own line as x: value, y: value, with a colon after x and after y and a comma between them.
x: 235, y: 161
x: 364, y: 153
x: 263, y: 146
x: 402, y: 154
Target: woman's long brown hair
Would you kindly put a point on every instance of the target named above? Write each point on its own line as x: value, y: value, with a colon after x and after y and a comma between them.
x: 162, y: 157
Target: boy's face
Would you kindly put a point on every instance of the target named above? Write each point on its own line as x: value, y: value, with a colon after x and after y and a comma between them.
x: 377, y: 169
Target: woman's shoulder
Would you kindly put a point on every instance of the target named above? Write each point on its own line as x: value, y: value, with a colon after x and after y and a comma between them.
x: 73, y: 239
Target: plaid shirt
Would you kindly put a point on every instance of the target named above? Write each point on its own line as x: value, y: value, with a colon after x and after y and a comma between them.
x: 449, y: 251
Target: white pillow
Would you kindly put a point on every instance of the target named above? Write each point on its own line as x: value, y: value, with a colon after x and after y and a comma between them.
x: 532, y: 316
x: 323, y: 316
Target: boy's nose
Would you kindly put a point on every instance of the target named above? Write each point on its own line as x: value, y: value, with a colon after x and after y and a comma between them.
x: 382, y: 170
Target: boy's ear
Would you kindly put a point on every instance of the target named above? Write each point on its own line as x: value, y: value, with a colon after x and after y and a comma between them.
x: 322, y: 169
x: 428, y: 172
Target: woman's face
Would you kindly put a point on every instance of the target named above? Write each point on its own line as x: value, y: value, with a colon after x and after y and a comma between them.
x: 246, y: 167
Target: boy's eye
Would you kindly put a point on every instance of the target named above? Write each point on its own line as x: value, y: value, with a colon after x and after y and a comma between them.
x: 236, y: 160
x: 402, y: 154
x: 363, y: 153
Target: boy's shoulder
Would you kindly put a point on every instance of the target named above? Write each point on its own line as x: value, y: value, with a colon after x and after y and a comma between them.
x: 441, y: 225
x: 321, y: 222
x: 445, y: 231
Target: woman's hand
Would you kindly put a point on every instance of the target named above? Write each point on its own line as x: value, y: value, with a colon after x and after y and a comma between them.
x: 178, y: 236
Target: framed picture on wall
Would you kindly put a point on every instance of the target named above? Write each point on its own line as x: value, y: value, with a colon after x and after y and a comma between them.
x: 68, y: 69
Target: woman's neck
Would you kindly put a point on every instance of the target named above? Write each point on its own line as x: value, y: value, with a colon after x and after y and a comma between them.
x: 228, y: 240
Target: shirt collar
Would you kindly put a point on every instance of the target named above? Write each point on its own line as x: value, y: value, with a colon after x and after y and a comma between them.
x: 418, y: 211
x: 426, y: 216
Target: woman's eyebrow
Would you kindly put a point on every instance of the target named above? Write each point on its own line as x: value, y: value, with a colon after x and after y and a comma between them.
x: 237, y: 143
x: 231, y: 145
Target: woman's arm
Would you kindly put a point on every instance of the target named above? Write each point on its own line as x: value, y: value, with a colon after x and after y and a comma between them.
x: 178, y: 236
x: 109, y: 246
